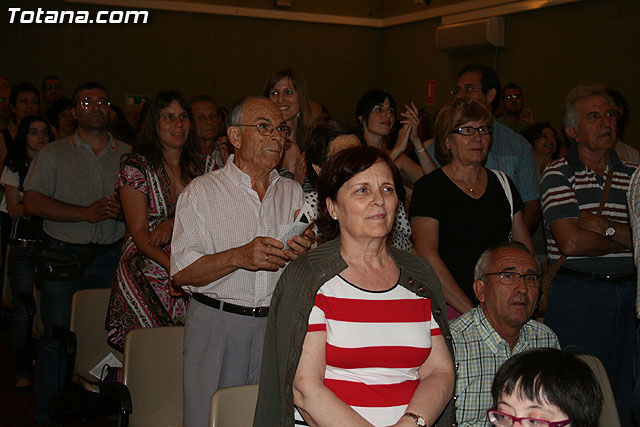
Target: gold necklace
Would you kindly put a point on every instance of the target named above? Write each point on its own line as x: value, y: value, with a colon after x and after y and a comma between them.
x: 464, y: 183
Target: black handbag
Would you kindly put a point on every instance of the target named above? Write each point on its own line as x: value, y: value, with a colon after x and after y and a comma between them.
x: 57, y: 265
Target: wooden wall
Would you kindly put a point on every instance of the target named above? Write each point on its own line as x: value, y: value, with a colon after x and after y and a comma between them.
x: 547, y: 52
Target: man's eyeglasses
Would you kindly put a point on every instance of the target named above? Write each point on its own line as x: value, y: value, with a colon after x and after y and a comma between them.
x: 53, y: 86
x: 266, y: 129
x: 470, y: 130
x: 505, y: 420
x: 511, y: 278
x: 88, y: 102
x: 464, y: 89
x: 513, y: 96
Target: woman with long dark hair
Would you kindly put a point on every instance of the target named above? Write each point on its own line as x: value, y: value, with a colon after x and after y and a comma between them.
x: 159, y: 167
x: 32, y: 134
x: 288, y: 90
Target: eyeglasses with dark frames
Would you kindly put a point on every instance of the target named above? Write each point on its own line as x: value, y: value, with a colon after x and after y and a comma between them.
x: 266, y: 129
x: 511, y: 278
x: 501, y: 419
x: 470, y: 130
x: 513, y: 96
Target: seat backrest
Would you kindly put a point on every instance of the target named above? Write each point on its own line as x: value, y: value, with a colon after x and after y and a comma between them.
x: 88, y: 314
x: 233, y: 406
x: 153, y: 373
x: 609, y: 416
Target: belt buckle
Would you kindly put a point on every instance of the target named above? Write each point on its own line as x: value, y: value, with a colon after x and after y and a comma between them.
x: 254, y: 311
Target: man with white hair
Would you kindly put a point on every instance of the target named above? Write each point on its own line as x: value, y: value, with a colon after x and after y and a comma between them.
x: 584, y: 202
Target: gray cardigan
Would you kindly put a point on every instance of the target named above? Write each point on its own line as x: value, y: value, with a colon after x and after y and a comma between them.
x: 291, y: 305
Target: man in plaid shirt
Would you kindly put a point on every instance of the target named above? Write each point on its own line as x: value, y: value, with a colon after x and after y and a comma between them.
x: 506, y: 285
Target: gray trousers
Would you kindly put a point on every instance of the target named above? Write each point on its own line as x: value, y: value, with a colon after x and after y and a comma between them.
x: 220, y: 350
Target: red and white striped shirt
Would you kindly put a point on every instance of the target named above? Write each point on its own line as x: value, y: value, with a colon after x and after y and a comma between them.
x: 376, y: 342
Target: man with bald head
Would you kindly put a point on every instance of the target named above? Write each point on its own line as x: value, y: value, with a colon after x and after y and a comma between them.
x: 224, y: 252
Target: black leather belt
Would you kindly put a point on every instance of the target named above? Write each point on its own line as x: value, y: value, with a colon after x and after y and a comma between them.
x: 607, y: 278
x: 231, y: 308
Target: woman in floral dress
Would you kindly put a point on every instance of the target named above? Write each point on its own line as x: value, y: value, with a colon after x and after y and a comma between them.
x: 159, y: 167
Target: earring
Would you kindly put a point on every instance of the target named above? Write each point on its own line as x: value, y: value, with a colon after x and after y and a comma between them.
x: 335, y: 218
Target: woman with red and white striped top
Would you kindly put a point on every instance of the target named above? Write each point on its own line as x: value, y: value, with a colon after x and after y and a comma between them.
x: 372, y: 352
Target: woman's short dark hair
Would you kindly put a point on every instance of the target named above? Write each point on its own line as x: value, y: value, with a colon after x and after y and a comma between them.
x: 367, y: 102
x: 56, y: 108
x: 149, y: 144
x: 305, y: 124
x: 553, y: 376
x: 533, y: 132
x: 318, y: 146
x: 339, y: 169
x: 22, y: 87
x: 16, y: 159
x: 456, y: 113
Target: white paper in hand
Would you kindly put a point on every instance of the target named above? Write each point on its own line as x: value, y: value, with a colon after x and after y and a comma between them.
x: 298, y: 226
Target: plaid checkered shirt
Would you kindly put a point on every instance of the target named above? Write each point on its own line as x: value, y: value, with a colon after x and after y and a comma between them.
x: 479, y: 353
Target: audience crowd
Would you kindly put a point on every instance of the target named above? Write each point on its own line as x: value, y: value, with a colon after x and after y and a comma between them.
x: 361, y: 273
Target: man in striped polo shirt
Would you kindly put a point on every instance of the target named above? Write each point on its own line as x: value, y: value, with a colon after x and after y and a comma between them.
x: 591, y: 303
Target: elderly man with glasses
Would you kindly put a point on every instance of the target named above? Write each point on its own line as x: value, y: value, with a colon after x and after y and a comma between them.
x: 71, y: 185
x: 226, y: 254
x: 507, y: 283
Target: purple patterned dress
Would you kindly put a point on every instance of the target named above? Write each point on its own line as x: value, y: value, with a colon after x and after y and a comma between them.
x: 140, y: 294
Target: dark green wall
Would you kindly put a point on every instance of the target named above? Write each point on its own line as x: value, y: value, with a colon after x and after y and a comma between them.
x: 547, y: 52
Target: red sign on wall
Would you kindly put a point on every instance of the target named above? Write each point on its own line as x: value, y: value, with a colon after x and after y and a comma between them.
x: 430, y: 92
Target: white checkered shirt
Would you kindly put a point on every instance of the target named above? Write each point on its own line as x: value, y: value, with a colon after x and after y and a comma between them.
x: 220, y: 211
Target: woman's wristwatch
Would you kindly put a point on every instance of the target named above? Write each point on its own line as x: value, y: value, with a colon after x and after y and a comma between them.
x: 417, y: 418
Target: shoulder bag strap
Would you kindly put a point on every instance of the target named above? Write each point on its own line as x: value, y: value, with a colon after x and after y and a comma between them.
x: 603, y: 200
x: 506, y: 187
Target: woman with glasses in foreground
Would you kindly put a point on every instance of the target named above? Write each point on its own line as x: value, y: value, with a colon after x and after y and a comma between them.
x: 545, y: 387
x: 462, y: 208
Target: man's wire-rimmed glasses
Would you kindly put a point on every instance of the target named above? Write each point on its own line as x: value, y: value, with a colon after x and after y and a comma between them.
x: 266, y: 129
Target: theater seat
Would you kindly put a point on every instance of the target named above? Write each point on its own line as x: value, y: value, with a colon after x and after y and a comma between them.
x: 609, y: 416
x: 233, y: 406
x: 85, y: 345
x: 152, y: 374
